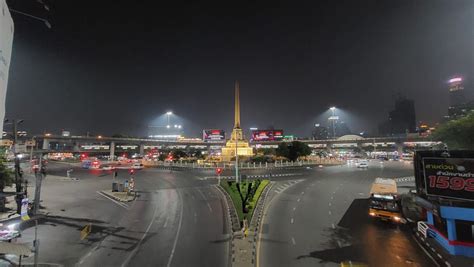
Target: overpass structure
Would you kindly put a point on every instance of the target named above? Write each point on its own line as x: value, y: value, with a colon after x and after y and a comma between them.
x: 83, y: 144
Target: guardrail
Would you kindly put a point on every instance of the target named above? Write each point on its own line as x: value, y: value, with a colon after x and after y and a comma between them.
x: 423, y: 228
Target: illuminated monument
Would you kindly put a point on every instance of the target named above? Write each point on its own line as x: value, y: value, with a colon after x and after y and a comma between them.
x: 236, y: 143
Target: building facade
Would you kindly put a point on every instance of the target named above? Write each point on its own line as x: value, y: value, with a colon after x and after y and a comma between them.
x: 401, y: 120
x: 6, y: 42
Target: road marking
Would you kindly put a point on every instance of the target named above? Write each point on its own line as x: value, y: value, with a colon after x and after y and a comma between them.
x: 294, y: 208
x: 292, y: 220
x: 298, y: 200
x: 339, y: 243
x: 329, y: 204
x: 302, y: 193
x: 330, y: 213
x: 177, y: 232
x: 134, y: 251
x: 293, y: 241
x: 125, y: 206
x: 205, y: 199
x: 166, y: 222
x: 332, y: 197
x: 195, y: 217
x: 333, y: 226
x: 426, y: 252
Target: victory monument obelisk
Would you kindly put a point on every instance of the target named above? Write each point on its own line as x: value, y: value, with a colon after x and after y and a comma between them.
x: 236, y: 143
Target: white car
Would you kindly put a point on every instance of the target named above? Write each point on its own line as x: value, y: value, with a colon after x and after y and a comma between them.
x: 363, y: 164
x: 137, y: 166
x: 108, y: 168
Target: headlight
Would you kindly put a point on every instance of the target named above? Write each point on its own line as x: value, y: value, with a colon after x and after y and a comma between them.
x: 396, y: 218
x: 372, y: 213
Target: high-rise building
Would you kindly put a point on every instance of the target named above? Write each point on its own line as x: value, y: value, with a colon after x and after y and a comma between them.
x: 456, y: 91
x: 320, y: 132
x: 402, y: 119
x: 459, y: 105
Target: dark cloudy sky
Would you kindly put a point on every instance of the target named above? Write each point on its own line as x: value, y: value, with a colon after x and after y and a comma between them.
x: 114, y: 66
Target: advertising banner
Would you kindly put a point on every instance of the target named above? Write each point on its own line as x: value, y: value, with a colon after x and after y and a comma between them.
x: 6, y: 41
x: 449, y: 177
x: 213, y: 135
x: 267, y: 135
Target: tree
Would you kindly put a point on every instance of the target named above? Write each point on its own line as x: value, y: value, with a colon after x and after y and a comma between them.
x: 294, y: 150
x: 178, y: 153
x: 6, y: 179
x: 457, y: 134
x: 282, y: 150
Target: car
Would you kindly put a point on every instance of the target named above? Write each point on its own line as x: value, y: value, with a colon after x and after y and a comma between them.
x: 363, y: 164
x: 137, y: 166
x: 108, y: 168
x: 7, y: 233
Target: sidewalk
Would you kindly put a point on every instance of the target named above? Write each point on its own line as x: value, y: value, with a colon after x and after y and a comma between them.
x: 440, y: 255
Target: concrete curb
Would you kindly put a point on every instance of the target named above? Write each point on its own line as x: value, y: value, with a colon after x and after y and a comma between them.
x: 255, y: 176
x: 435, y: 255
x: 229, y: 222
x: 255, y: 223
x: 231, y: 210
x: 117, y: 198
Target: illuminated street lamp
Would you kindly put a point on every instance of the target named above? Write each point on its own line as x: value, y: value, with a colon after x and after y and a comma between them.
x: 168, y: 114
x: 333, y: 119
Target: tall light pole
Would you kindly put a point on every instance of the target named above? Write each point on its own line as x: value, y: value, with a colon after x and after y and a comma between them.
x: 333, y: 119
x: 168, y: 114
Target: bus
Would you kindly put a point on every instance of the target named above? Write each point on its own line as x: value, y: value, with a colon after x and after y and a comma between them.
x: 384, y: 202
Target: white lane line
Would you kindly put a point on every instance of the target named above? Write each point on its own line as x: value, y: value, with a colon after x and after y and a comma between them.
x: 293, y: 241
x: 332, y: 197
x: 177, y: 233
x: 333, y: 226
x: 294, y: 208
x: 292, y: 220
x: 302, y: 193
x: 125, y: 206
x: 205, y: 199
x: 195, y: 217
x: 311, y: 184
x: 298, y: 200
x: 338, y: 243
x: 166, y: 222
x: 330, y: 213
x: 134, y: 251
x: 329, y: 204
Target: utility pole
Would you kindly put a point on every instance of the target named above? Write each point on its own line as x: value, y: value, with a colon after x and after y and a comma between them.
x: 39, y: 178
x: 236, y: 160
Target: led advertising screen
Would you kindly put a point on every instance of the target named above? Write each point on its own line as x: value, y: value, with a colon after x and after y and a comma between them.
x: 449, y: 177
x: 267, y: 135
x: 213, y: 135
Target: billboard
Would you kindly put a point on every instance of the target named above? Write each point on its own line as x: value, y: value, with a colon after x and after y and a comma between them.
x: 213, y: 135
x: 449, y: 177
x: 267, y: 135
x: 6, y: 41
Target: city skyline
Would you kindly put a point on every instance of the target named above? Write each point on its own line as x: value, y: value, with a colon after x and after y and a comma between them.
x: 187, y: 58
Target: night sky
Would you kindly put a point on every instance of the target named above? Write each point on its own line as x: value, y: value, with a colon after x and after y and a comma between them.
x: 115, y: 66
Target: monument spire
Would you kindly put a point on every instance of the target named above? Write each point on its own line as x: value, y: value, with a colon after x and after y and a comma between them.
x: 237, y: 106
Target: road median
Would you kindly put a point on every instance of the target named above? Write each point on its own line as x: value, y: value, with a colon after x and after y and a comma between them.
x: 120, y: 196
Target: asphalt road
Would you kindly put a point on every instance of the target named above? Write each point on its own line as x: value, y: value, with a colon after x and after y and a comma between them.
x: 177, y: 220
x: 322, y: 220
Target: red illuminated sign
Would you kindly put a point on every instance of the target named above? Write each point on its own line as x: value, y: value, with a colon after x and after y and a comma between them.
x: 267, y: 135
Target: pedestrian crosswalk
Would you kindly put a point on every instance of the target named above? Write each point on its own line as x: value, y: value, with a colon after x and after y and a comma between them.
x: 283, y: 186
x: 405, y: 179
x: 253, y: 176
